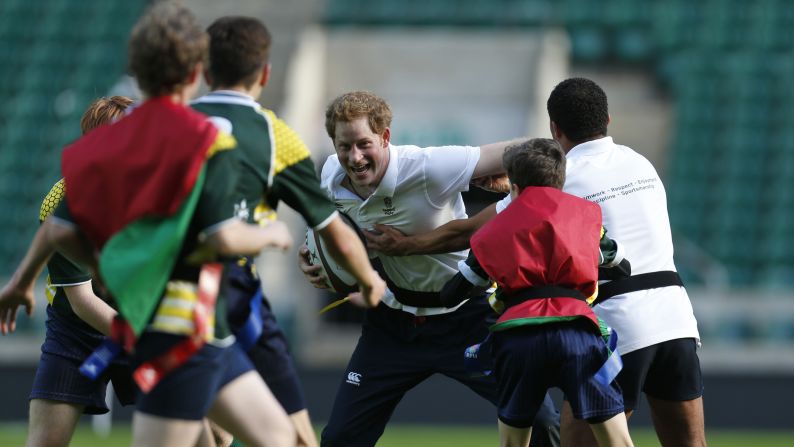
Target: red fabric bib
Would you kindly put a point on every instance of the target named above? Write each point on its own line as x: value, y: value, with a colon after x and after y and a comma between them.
x: 143, y: 165
x: 545, y: 237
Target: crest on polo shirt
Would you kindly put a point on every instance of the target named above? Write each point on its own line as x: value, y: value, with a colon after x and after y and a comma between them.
x: 389, y: 207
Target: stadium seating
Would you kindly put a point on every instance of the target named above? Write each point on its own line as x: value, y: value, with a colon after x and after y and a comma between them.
x: 728, y: 67
x: 56, y: 56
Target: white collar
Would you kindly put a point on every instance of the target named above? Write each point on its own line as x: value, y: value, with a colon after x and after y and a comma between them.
x: 591, y: 147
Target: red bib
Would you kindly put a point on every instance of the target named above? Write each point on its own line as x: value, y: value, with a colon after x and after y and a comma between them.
x: 143, y: 165
x: 545, y: 237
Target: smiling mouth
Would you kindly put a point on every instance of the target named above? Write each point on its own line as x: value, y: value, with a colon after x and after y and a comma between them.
x: 359, y: 169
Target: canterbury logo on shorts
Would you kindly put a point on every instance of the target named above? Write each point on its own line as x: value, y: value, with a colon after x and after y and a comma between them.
x: 353, y: 378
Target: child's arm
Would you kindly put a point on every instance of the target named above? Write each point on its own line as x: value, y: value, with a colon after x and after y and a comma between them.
x: 240, y: 238
x: 612, y: 264
x: 470, y: 281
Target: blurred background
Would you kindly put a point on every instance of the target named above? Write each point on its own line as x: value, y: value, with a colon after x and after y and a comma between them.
x: 703, y: 89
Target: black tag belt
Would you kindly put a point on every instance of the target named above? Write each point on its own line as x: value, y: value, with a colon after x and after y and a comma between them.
x: 534, y: 293
x: 408, y: 297
x: 634, y: 283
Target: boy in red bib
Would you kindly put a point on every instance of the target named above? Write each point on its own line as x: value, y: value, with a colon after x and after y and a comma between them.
x: 543, y: 251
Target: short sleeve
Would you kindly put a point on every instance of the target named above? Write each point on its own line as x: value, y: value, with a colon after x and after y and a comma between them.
x: 64, y: 272
x: 448, y: 171
x: 299, y: 188
x: 295, y: 180
x: 502, y: 204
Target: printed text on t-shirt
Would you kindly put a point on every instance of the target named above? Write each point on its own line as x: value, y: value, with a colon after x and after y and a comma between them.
x: 622, y: 190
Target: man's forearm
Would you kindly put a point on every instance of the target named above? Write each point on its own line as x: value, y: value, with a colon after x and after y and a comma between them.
x: 452, y: 236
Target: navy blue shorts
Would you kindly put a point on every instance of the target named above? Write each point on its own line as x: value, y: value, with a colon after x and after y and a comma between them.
x: 270, y: 355
x: 531, y: 359
x: 58, y: 378
x: 669, y: 370
x: 395, y: 353
x: 189, y: 391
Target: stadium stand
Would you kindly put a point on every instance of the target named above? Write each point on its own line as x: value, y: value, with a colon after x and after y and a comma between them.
x: 727, y: 67
x: 56, y: 56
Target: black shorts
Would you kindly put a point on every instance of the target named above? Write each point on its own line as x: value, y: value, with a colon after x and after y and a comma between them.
x: 59, y: 379
x: 58, y: 375
x: 533, y: 358
x: 669, y: 371
x: 188, y: 391
x: 270, y: 354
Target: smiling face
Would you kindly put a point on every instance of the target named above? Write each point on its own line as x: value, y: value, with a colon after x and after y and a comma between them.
x: 363, y: 153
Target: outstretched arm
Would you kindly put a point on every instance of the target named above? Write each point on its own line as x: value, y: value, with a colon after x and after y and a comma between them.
x: 452, y: 236
x: 244, y: 239
x: 19, y: 290
x: 491, y: 158
x: 345, y: 248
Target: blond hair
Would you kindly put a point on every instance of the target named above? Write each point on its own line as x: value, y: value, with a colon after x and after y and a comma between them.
x: 354, y: 105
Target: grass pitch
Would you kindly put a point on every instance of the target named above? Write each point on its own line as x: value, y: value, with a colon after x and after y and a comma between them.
x: 12, y: 435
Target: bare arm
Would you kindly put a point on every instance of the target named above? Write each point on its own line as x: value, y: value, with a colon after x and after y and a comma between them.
x: 89, y: 307
x: 19, y: 290
x: 345, y: 248
x: 490, y: 162
x: 240, y: 238
x: 452, y: 236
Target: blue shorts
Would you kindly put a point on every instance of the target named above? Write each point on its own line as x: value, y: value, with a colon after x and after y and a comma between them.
x: 58, y: 378
x: 189, y: 391
x: 531, y: 359
x: 270, y: 355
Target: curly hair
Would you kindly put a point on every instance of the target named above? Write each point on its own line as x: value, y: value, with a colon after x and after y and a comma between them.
x: 535, y: 162
x: 353, y: 105
x: 102, y: 111
x: 579, y: 108
x: 239, y: 49
x: 165, y: 46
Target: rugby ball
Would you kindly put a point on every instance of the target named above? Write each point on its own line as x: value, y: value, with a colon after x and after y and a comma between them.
x: 337, y: 278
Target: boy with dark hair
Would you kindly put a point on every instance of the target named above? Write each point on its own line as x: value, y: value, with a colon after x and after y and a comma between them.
x: 277, y: 167
x: 543, y: 253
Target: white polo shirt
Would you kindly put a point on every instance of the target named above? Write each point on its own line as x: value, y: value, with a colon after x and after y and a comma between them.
x: 419, y: 192
x: 634, y: 208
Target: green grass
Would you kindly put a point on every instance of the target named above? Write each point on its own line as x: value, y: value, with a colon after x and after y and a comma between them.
x: 439, y: 436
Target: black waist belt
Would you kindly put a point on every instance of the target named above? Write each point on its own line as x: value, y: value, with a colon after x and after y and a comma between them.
x: 408, y: 297
x: 634, y: 283
x: 534, y: 293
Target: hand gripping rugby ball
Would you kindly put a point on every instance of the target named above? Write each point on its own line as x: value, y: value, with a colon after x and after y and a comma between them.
x: 337, y: 278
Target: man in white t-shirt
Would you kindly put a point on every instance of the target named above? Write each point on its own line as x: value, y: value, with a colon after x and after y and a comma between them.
x: 411, y: 335
x: 650, y: 311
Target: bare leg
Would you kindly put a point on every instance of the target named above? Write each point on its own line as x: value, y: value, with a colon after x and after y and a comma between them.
x: 513, y: 436
x: 613, y: 432
x: 156, y: 431
x: 678, y: 423
x: 574, y: 432
x: 303, y: 425
x: 246, y: 408
x: 52, y: 423
x: 213, y: 436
